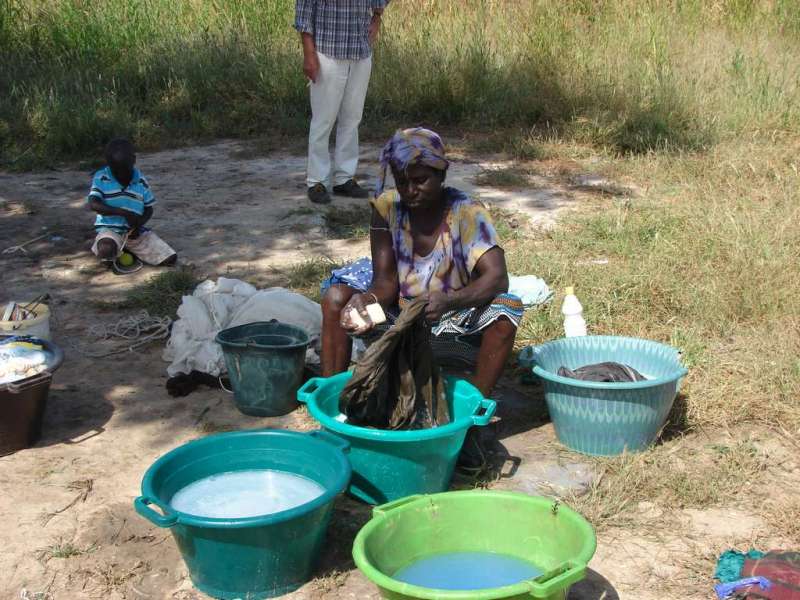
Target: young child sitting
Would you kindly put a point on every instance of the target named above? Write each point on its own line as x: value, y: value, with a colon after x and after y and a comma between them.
x: 123, y: 201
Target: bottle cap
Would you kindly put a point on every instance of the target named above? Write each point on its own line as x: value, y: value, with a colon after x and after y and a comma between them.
x: 570, y: 291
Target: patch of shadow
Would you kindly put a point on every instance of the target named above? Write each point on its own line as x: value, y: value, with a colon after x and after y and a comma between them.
x: 593, y: 587
x: 504, y: 177
x: 71, y: 419
x: 677, y: 423
x: 600, y: 185
x: 349, y: 516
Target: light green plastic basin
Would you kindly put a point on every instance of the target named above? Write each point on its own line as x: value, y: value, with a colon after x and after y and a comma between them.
x: 553, y: 537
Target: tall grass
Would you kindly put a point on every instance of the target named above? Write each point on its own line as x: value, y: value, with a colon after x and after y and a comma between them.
x: 709, y: 261
x: 630, y: 75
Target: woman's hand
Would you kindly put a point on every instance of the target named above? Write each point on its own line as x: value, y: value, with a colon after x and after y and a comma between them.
x: 438, y: 304
x: 357, y: 303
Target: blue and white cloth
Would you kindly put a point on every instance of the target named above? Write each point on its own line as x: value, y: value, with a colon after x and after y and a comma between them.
x: 340, y: 27
x: 532, y: 290
x: 135, y: 197
x: 357, y: 275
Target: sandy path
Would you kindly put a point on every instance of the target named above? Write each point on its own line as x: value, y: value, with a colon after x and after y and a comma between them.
x: 108, y: 419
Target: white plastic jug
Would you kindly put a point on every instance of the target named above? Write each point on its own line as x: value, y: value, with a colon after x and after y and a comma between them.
x: 574, y: 325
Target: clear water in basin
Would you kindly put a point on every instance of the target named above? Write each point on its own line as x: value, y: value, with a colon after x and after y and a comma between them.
x: 467, y: 571
x: 241, y: 494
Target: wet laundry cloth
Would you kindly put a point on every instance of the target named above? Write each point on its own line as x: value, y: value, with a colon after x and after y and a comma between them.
x: 609, y: 372
x: 532, y: 290
x: 782, y: 569
x: 396, y: 384
x: 730, y: 563
x: 184, y: 384
x: 217, y: 305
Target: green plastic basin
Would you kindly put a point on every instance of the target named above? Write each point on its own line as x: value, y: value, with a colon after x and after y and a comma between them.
x: 388, y: 465
x: 254, y: 557
x: 600, y: 418
x: 553, y: 537
x: 265, y: 364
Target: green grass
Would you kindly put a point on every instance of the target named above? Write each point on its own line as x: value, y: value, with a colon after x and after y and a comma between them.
x: 627, y: 75
x: 510, y: 225
x: 60, y: 549
x: 307, y: 276
x: 348, y: 223
x: 162, y: 294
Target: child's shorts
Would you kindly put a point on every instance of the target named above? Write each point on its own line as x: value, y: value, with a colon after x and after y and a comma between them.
x: 147, y: 247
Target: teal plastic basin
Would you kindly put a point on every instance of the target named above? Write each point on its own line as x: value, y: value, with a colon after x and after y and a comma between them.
x: 606, y: 419
x: 254, y: 557
x: 388, y: 465
x: 265, y: 364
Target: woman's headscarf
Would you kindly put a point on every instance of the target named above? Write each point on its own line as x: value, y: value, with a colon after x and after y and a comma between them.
x: 415, y: 146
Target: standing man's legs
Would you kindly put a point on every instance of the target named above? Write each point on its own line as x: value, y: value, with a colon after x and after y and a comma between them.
x: 326, y: 99
x: 345, y: 158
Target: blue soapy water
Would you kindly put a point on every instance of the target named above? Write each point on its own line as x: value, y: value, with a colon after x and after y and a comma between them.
x: 467, y: 571
x: 242, y: 494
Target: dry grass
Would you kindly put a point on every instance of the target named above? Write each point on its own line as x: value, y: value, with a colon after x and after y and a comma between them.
x: 783, y: 516
x: 504, y: 177
x: 708, y: 260
x: 673, y: 477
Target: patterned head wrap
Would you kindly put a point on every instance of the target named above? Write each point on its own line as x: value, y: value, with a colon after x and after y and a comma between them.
x: 415, y: 146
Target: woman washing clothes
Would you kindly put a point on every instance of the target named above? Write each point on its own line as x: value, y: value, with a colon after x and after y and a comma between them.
x: 431, y: 240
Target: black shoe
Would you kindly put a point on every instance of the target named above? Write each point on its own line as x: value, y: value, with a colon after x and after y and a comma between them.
x: 121, y: 269
x: 350, y: 188
x: 318, y: 194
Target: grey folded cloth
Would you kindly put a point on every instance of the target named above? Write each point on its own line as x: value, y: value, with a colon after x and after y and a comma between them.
x: 609, y: 372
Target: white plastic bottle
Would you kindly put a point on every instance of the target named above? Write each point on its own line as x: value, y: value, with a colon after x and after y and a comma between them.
x: 574, y: 325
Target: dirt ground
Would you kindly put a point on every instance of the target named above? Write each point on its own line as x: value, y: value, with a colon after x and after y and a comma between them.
x: 70, y: 528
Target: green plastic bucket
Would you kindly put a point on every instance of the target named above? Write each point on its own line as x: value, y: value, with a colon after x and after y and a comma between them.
x: 254, y: 557
x: 606, y: 419
x: 550, y: 535
x: 265, y: 364
x: 388, y: 465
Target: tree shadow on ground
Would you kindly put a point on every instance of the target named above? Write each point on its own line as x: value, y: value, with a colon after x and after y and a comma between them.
x: 520, y: 407
x: 677, y: 423
x: 73, y: 417
x: 349, y: 516
x: 593, y: 587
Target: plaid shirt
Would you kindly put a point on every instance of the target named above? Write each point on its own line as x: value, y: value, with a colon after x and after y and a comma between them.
x: 340, y: 27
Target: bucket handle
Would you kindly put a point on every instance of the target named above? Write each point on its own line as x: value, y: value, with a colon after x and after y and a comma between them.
x: 142, y: 506
x: 381, y: 510
x: 557, y: 579
x: 330, y: 438
x: 488, y: 406
x: 527, y: 357
x: 307, y: 391
x: 16, y: 388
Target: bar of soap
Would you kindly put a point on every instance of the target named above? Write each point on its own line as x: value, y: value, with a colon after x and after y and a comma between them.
x: 375, y: 312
